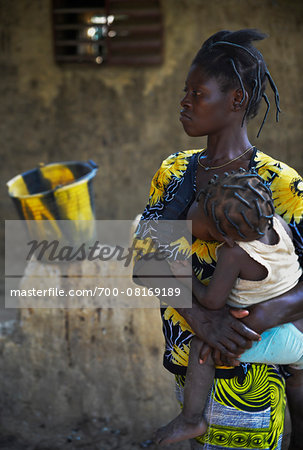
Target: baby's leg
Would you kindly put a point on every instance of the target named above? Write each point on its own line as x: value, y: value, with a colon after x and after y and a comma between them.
x: 284, y: 345
x: 199, y: 380
x: 278, y: 345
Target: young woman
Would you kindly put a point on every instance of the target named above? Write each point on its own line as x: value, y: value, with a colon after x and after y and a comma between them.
x: 223, y: 90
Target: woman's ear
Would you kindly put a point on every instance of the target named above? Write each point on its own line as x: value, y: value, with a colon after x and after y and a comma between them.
x: 238, y: 101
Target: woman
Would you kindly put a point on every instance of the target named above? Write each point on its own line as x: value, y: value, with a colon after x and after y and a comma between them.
x: 223, y: 90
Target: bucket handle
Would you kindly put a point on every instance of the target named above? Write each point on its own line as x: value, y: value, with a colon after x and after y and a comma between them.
x: 91, y: 163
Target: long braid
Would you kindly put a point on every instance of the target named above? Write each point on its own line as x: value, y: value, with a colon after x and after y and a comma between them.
x: 231, y: 57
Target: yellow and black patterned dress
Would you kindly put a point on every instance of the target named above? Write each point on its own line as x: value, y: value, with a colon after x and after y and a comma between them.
x: 246, y: 407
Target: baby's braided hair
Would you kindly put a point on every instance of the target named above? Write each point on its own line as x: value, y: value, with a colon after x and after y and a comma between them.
x: 240, y: 200
x: 234, y: 61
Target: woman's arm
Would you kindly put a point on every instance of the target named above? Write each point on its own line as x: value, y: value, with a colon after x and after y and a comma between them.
x: 285, y: 308
x: 217, y: 328
x: 288, y: 201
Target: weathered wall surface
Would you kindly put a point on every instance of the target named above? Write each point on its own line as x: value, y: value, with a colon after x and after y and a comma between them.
x: 62, y: 367
x: 126, y: 120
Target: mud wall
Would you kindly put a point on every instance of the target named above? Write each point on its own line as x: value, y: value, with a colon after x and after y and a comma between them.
x: 126, y: 120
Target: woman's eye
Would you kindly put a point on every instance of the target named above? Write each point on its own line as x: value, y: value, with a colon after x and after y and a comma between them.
x: 193, y: 92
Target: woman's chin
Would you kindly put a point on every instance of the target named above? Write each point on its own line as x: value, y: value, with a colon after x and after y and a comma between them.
x: 191, y: 132
x: 195, y: 134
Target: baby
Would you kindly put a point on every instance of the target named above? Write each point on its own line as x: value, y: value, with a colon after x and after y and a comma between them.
x: 256, y: 262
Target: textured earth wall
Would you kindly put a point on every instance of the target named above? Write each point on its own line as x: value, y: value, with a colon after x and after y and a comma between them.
x: 126, y: 120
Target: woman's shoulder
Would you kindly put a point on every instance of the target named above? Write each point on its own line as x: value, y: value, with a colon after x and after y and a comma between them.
x: 174, y: 167
x: 182, y: 156
x: 171, y: 174
x: 269, y: 167
x: 286, y: 186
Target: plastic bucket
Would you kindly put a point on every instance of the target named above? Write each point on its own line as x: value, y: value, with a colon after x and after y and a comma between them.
x: 56, y: 192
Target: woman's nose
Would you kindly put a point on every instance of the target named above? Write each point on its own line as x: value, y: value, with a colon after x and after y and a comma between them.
x: 185, y: 101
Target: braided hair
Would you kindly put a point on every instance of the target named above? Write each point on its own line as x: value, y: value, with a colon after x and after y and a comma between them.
x: 235, y: 62
x: 240, y: 200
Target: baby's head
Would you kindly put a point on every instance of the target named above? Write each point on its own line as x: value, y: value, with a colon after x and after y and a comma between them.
x: 239, y: 205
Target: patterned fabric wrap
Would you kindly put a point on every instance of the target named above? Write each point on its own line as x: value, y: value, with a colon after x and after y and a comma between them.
x: 172, y: 191
x: 246, y: 415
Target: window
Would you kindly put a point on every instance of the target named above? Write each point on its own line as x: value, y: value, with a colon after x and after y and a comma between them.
x: 123, y: 32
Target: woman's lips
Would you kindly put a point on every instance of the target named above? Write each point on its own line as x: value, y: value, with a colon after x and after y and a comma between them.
x: 184, y: 116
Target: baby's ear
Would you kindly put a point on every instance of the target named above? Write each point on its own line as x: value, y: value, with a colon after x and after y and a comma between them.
x: 229, y: 241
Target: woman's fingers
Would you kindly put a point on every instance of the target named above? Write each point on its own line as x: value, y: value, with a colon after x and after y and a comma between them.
x: 244, y: 331
x: 223, y: 355
x: 241, y: 328
x: 232, y: 347
x: 222, y: 359
x: 217, y: 357
x: 240, y: 342
x: 230, y: 361
x: 225, y: 351
x: 204, y: 353
x: 220, y: 327
x: 239, y: 313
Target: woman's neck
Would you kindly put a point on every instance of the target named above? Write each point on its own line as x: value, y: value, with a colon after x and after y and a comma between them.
x: 227, y: 146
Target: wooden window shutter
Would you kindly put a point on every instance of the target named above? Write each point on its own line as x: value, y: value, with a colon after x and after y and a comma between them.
x: 120, y: 32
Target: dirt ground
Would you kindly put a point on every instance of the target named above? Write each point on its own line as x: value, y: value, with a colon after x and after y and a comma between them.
x: 93, y: 434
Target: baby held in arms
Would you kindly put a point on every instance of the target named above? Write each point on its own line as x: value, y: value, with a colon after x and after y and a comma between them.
x: 256, y: 262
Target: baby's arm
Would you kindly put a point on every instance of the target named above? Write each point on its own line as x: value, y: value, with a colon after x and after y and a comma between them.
x: 215, y: 295
x: 183, y: 271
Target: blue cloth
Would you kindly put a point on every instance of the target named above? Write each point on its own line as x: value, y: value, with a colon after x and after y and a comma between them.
x: 279, y: 345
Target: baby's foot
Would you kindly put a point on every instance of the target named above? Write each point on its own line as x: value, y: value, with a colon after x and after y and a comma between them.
x: 179, y: 429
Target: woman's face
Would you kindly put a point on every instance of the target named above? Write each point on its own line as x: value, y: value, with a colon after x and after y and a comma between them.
x: 205, y: 108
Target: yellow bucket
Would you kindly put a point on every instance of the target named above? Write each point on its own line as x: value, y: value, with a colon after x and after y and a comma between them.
x: 55, y: 192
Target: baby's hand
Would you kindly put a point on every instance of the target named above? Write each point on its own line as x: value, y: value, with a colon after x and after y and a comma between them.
x: 181, y: 268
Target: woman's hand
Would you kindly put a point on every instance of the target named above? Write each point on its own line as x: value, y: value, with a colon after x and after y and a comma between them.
x: 220, y: 330
x: 218, y: 359
x: 287, y: 307
x: 253, y: 318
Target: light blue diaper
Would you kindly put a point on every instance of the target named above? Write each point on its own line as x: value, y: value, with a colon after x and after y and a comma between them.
x: 279, y: 345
